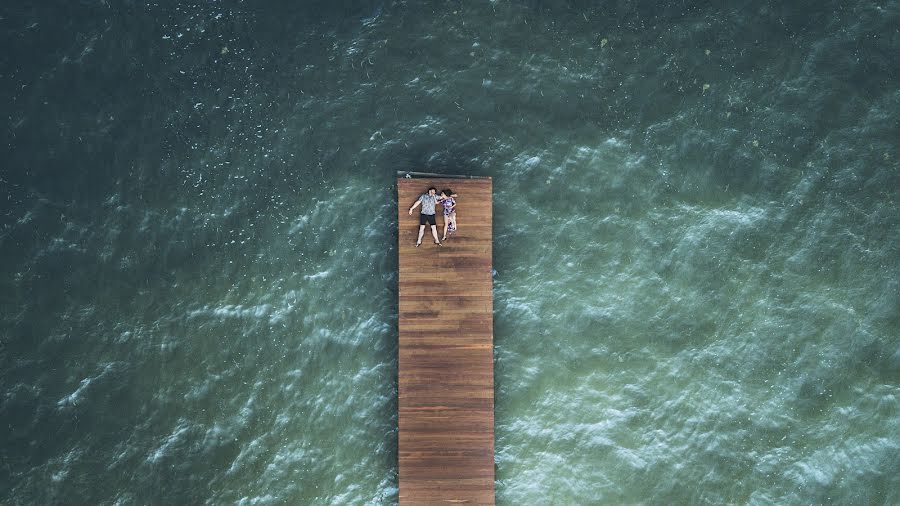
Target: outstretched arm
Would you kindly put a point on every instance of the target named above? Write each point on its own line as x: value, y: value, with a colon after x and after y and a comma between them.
x: 414, y: 206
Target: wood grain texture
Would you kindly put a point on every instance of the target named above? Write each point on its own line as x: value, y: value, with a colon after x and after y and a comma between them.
x: 446, y: 364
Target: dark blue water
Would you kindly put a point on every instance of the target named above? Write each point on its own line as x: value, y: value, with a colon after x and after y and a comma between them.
x: 696, y: 239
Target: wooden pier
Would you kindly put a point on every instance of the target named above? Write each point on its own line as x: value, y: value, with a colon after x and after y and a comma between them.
x: 446, y: 365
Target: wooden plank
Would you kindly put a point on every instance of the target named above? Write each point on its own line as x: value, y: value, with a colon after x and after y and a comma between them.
x: 446, y: 367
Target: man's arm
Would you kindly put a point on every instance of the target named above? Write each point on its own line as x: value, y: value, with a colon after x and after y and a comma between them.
x: 415, y: 205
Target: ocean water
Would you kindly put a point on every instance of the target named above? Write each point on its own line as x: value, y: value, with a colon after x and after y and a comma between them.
x: 697, y: 297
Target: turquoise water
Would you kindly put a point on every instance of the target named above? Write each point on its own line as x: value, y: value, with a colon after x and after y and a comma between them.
x: 696, y: 244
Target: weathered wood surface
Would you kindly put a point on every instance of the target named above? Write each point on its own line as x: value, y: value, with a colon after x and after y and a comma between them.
x: 446, y: 366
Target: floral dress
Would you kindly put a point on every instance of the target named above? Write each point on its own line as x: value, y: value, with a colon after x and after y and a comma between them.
x: 448, y: 204
x: 449, y: 208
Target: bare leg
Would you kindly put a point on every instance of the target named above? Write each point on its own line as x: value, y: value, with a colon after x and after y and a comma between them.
x: 446, y: 224
x: 434, y: 233
x: 454, y: 222
x: 421, y: 233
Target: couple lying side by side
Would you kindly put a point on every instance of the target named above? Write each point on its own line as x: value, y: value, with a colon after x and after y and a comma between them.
x: 428, y: 201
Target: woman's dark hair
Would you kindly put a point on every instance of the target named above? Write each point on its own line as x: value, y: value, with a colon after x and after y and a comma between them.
x: 432, y: 188
x: 448, y: 192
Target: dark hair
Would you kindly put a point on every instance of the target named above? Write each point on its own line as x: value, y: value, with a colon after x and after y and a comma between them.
x: 447, y: 191
x: 432, y: 188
